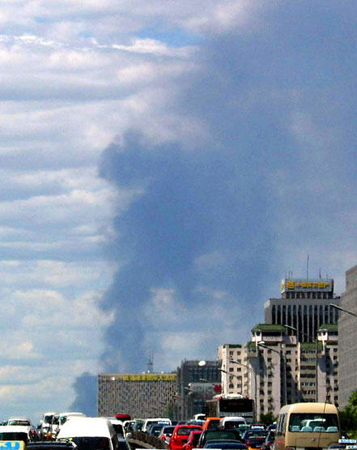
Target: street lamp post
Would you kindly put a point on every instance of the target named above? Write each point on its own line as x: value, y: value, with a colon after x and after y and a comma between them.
x: 342, y: 309
x: 239, y: 377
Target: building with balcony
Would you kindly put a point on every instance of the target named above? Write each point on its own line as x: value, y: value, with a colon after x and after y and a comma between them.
x: 347, y: 329
x: 293, y: 357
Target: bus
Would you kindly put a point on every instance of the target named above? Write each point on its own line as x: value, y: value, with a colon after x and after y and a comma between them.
x: 223, y: 406
x: 307, y: 426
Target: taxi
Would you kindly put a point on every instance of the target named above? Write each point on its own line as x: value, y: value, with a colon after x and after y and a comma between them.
x: 12, y: 445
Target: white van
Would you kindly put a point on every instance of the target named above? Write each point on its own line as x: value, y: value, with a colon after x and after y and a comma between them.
x: 15, y: 433
x: 117, y: 425
x: 228, y: 423
x: 90, y: 433
x: 45, y: 425
x: 154, y: 420
x: 62, y: 419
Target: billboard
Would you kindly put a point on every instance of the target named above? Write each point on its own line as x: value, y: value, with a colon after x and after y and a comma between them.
x: 145, y: 376
x: 306, y: 285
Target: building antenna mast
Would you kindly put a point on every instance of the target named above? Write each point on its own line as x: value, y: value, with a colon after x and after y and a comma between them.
x: 150, y: 368
x: 307, y: 266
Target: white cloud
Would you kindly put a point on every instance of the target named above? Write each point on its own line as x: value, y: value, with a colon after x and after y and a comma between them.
x: 153, y: 46
x: 57, y: 338
x: 103, y: 19
x: 74, y: 76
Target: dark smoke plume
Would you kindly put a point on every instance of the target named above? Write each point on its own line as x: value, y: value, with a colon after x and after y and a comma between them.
x: 215, y: 221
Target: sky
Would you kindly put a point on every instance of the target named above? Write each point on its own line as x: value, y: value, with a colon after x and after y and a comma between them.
x: 163, y: 165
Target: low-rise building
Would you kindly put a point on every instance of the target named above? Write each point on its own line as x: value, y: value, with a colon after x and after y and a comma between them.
x: 137, y: 394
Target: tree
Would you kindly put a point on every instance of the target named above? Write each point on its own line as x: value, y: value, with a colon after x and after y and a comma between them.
x: 348, y: 416
x: 267, y: 419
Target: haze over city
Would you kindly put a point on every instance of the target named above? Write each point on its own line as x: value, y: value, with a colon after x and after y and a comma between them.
x: 163, y: 166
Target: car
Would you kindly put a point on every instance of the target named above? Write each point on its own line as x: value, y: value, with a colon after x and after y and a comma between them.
x: 195, y: 422
x: 269, y: 440
x: 254, y: 438
x: 230, y: 422
x: 155, y: 429
x: 59, y: 420
x: 123, y: 443
x: 242, y: 429
x: 215, y: 435
x: 156, y: 420
x: 211, y: 423
x: 89, y: 433
x: 192, y: 440
x: 257, y: 426
x: 180, y: 435
x: 19, y: 421
x: 200, y: 416
x: 50, y: 445
x: 18, y: 433
x: 45, y: 425
x: 166, y: 433
x: 226, y: 444
x: 117, y: 425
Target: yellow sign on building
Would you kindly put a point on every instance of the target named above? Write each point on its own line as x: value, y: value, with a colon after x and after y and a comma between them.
x: 290, y: 285
x: 146, y: 377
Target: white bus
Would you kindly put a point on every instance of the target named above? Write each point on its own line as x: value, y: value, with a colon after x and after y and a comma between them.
x: 310, y: 426
x: 223, y: 406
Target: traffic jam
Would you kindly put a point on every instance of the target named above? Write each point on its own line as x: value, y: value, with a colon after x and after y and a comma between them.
x: 74, y: 430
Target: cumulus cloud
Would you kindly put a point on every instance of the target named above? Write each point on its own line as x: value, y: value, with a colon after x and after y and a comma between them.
x: 227, y: 135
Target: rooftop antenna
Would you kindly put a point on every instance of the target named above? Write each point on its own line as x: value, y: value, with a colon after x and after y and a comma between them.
x: 307, y: 266
x: 320, y: 273
x: 151, y: 364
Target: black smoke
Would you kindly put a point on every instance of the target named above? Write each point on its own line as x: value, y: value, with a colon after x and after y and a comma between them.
x: 245, y: 195
x: 85, y: 388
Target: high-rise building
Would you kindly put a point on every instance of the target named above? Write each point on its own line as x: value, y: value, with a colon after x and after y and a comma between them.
x: 305, y: 305
x: 293, y: 356
x: 197, y: 381
x: 347, y: 329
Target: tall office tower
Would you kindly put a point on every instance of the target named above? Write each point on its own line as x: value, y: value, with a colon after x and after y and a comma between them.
x: 197, y: 381
x: 305, y: 305
x: 347, y: 328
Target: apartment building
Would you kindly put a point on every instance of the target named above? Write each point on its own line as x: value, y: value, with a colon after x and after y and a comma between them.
x: 347, y: 329
x: 292, y: 357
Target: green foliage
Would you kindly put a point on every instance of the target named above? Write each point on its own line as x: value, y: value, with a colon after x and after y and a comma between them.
x: 267, y: 419
x: 348, y: 416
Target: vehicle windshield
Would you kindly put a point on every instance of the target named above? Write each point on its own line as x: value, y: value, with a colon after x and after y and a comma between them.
x: 185, y: 431
x: 255, y: 433
x: 19, y: 422
x: 13, y: 436
x: 222, y: 434
x: 313, y: 423
x: 48, y: 419
x: 91, y: 443
x: 230, y: 445
x: 118, y: 428
x: 229, y: 424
